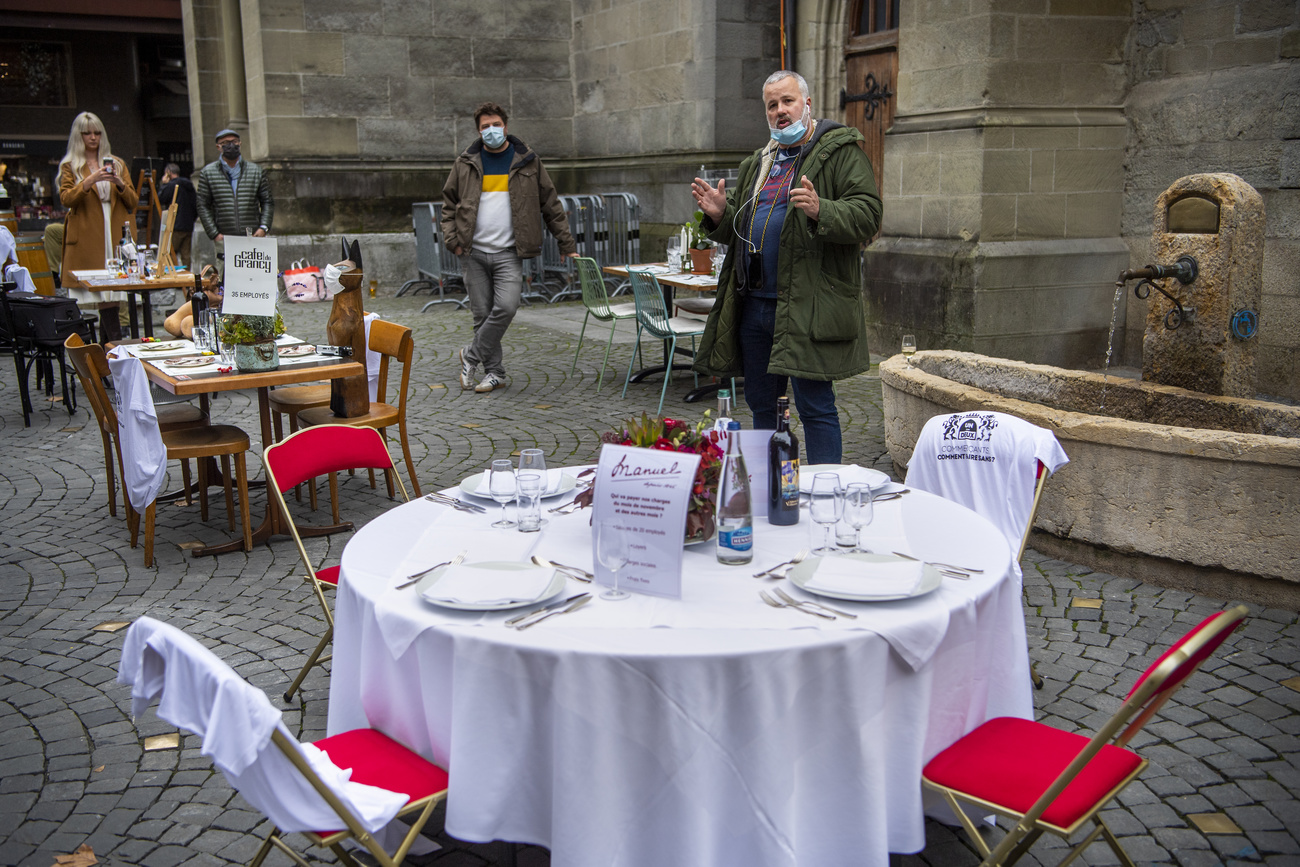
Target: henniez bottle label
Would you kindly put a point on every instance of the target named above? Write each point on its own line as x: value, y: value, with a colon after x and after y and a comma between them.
x: 739, y: 539
x: 790, y: 482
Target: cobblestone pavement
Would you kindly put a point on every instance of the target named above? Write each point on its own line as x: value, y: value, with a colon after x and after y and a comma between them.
x: 72, y: 765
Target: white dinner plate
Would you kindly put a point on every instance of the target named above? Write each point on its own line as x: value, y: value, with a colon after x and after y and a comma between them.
x: 201, y: 361
x: 472, y: 485
x: 552, y: 590
x: 802, y: 572
x: 296, y: 351
x: 875, y: 478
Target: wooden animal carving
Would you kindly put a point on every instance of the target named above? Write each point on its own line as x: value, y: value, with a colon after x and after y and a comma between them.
x: 350, y: 395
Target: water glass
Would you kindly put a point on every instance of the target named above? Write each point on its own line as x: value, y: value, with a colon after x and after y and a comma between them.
x: 674, y: 253
x: 612, y: 553
x: 532, y: 460
x: 859, y: 509
x: 199, y: 334
x: 503, y: 488
x: 719, y: 254
x: 530, y: 502
x: 826, y: 507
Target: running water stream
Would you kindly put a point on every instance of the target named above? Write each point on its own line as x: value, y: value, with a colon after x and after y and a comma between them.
x: 1110, y: 340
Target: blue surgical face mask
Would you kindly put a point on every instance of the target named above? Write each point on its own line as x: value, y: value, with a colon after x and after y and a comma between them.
x: 493, y: 137
x: 792, y: 133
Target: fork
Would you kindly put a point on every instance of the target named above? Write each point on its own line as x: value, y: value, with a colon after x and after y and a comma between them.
x: 786, y: 597
x: 411, y: 579
x: 778, y: 604
x: 460, y: 505
x: 797, y: 558
x: 571, y: 506
x: 944, y: 567
x: 572, y: 571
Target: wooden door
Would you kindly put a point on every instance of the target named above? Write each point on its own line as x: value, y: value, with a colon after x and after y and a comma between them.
x: 871, y: 73
x: 871, y: 77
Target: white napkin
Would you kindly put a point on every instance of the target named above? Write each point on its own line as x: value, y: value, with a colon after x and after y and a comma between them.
x: 475, y: 585
x: 554, y: 478
x: 851, y: 575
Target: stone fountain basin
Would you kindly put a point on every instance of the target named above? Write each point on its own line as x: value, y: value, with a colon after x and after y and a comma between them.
x: 1162, y: 472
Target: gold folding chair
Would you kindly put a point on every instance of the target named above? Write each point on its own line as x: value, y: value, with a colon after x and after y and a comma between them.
x: 322, y: 450
x: 158, y: 657
x: 1049, y: 780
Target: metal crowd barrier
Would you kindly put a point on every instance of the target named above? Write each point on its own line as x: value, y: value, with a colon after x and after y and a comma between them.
x: 606, y: 227
x: 432, y: 258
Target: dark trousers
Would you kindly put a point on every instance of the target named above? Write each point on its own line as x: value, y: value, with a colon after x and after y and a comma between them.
x: 813, y: 398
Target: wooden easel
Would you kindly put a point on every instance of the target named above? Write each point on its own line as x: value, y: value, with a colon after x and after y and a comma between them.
x: 149, y: 205
x: 166, y: 256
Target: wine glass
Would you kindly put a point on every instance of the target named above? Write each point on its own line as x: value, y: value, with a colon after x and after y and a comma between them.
x: 858, y: 511
x: 502, y: 487
x: 719, y: 254
x: 909, y: 347
x: 611, y: 551
x: 826, y: 506
x: 674, y: 253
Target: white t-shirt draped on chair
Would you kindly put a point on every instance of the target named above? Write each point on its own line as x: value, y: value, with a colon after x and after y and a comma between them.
x: 202, y: 694
x: 144, y: 457
x: 988, y: 462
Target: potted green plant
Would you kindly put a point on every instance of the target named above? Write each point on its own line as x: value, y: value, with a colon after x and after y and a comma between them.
x: 698, y: 245
x: 254, y: 340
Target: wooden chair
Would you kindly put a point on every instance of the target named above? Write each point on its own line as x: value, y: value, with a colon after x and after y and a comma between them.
x: 171, y: 416
x: 391, y: 341
x: 317, y: 451
x: 29, y: 251
x: 1049, y: 780
x: 238, y: 725
x: 187, y: 442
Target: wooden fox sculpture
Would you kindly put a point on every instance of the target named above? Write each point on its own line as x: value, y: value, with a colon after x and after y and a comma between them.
x: 349, y: 396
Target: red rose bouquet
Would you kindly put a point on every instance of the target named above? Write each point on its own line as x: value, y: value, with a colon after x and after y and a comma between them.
x: 675, y: 435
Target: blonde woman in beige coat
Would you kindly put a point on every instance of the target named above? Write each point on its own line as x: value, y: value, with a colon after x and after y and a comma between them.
x: 95, y: 187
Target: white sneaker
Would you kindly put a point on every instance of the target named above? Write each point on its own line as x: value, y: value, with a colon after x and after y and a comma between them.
x: 466, y: 372
x: 490, y: 382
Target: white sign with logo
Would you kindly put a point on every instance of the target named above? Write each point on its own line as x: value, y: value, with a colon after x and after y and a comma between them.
x: 646, y: 494
x: 250, y: 279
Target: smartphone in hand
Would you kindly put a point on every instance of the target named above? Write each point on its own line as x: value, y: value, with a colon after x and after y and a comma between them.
x: 109, y: 166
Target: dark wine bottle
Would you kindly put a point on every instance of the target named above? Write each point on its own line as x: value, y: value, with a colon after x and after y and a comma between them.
x: 783, y: 469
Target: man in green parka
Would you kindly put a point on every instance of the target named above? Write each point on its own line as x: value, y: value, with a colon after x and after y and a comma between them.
x: 789, y: 307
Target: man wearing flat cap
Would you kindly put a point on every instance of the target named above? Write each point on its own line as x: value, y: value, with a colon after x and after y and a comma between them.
x: 234, y: 195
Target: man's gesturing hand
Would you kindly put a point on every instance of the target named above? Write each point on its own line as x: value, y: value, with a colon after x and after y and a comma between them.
x: 805, y: 198
x: 711, y: 200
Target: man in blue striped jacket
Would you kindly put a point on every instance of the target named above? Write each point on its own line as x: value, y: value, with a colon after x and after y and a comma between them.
x: 233, y: 194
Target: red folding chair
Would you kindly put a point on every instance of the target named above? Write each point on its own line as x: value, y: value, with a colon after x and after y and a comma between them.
x: 1055, y: 781
x: 322, y: 450
x: 286, y: 781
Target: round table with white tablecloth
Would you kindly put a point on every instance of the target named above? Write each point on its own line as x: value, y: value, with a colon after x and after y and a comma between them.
x: 710, y: 730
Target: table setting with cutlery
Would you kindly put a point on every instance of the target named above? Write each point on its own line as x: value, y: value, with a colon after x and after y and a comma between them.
x: 491, y: 650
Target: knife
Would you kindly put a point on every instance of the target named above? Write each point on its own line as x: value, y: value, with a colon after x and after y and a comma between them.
x: 574, y: 606
x: 552, y: 607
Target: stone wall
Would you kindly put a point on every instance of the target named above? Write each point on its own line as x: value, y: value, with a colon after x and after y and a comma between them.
x: 359, y: 109
x: 1216, y: 88
x: 1003, y: 180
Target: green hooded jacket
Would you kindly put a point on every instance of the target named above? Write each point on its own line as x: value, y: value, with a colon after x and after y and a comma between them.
x: 821, y: 326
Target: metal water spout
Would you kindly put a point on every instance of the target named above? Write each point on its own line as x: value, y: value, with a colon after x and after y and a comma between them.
x: 1184, y: 271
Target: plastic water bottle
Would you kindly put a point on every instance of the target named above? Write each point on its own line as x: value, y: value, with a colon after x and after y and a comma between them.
x: 735, y: 515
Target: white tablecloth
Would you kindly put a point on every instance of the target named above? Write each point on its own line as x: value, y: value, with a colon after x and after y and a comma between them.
x: 776, y: 742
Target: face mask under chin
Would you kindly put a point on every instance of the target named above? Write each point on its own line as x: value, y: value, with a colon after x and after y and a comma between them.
x: 792, y: 133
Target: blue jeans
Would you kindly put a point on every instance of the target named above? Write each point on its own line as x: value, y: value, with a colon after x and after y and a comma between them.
x: 494, y: 283
x: 813, y: 398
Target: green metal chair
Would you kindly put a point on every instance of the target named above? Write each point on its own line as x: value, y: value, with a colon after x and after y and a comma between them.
x: 652, y: 316
x: 596, y: 300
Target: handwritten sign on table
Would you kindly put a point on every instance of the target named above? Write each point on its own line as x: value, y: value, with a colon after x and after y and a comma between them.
x: 250, y: 276
x: 646, y: 493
